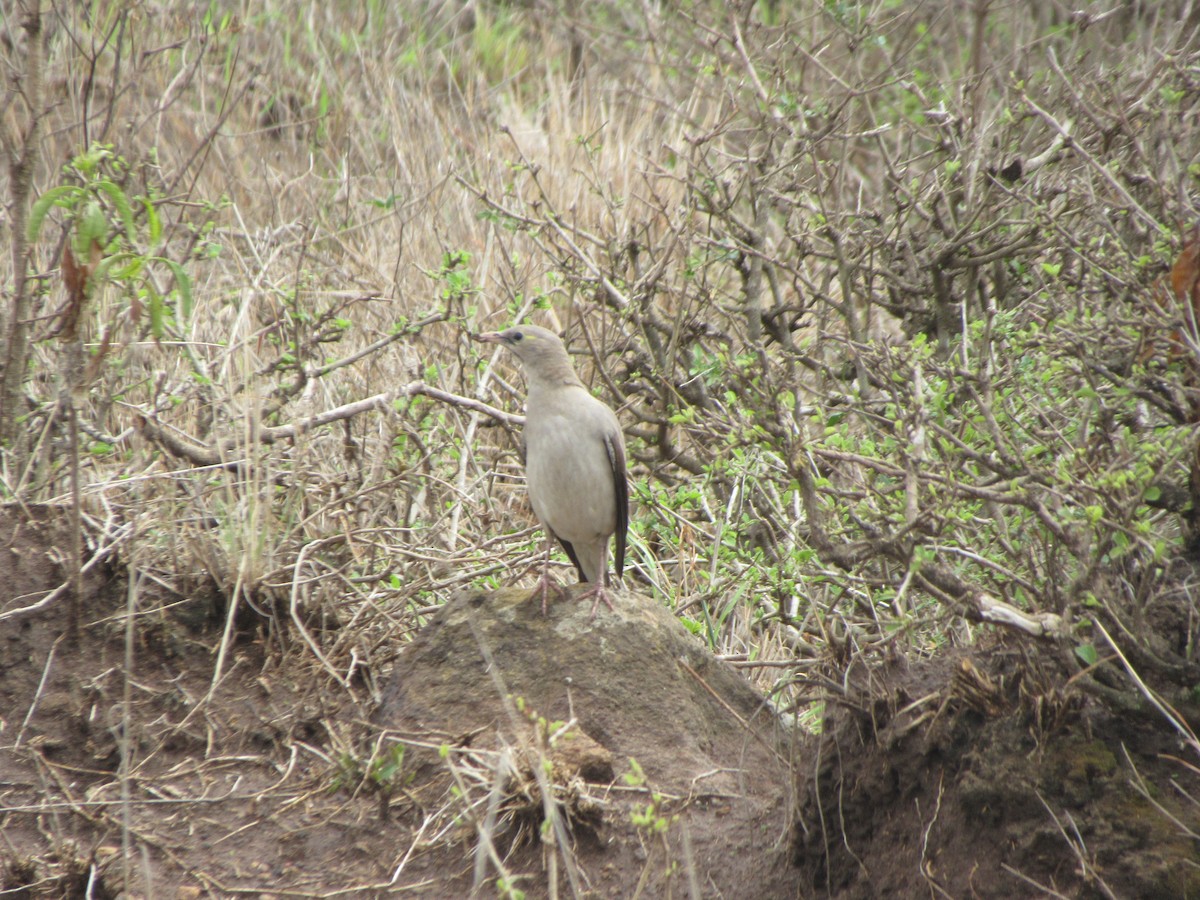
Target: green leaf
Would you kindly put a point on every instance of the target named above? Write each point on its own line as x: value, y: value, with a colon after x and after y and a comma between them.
x: 124, y: 210
x: 184, y: 285
x: 635, y: 777
x: 130, y: 270
x: 157, y: 314
x: 65, y: 195
x: 100, y: 275
x: 1088, y: 654
x: 91, y: 226
x: 153, y: 224
x: 87, y: 163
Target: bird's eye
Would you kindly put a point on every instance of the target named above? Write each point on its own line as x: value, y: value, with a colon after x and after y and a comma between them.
x: 517, y: 336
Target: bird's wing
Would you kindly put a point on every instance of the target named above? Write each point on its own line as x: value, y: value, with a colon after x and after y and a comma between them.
x: 574, y: 558
x: 615, y: 448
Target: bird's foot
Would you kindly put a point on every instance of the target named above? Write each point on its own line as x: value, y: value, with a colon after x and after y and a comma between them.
x: 544, y: 587
x: 601, y: 596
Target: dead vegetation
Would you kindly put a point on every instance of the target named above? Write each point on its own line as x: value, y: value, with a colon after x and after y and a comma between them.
x: 895, y: 303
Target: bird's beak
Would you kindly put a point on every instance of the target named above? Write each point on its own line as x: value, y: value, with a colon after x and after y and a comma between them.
x: 490, y: 337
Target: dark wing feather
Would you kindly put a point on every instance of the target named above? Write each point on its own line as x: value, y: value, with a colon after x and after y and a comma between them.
x: 574, y: 559
x: 616, y: 459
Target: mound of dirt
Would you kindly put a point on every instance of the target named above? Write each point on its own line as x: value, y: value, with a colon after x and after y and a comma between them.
x: 669, y: 770
x: 987, y: 775
x: 702, y: 803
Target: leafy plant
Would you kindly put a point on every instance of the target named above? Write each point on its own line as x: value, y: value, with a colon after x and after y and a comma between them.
x: 382, y: 774
x: 113, y: 239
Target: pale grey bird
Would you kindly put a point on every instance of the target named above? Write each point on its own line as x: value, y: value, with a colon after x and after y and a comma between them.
x: 574, y: 460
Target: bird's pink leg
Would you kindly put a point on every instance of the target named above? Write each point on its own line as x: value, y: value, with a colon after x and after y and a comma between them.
x: 544, y: 584
x: 601, y: 595
x: 543, y: 587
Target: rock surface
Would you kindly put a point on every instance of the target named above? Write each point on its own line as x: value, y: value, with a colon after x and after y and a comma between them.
x: 639, y: 686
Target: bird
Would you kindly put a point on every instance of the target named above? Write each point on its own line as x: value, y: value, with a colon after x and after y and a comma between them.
x: 574, y: 453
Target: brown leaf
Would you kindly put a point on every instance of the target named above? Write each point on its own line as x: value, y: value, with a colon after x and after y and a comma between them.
x: 135, y: 308
x: 1181, y: 286
x: 1185, y: 274
x: 94, y: 363
x: 74, y: 275
x: 75, y: 279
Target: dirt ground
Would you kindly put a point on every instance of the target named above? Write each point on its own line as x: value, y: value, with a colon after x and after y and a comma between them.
x: 667, y: 775
x: 986, y: 775
x: 503, y: 751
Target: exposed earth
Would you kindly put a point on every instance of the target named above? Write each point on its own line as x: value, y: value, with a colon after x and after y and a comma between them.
x: 500, y: 750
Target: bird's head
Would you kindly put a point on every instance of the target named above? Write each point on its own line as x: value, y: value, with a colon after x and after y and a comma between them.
x: 526, y: 341
x: 540, y: 350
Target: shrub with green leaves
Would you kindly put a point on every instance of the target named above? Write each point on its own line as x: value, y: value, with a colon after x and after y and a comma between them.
x: 114, y: 238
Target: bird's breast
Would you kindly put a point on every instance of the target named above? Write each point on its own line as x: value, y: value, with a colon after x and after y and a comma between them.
x: 570, y: 478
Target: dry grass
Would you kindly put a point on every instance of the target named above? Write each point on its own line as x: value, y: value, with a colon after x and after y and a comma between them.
x: 344, y: 208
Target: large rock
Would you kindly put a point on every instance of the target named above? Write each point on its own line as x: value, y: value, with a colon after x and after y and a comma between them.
x: 639, y: 686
